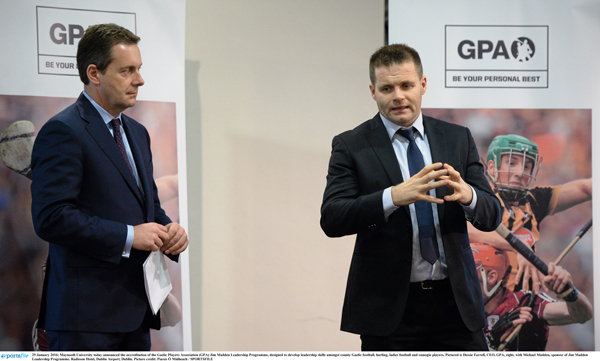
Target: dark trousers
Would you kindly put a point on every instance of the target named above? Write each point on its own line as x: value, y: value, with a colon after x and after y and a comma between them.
x: 138, y: 340
x: 431, y: 322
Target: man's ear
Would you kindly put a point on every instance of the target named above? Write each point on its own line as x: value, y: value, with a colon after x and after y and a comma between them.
x: 372, y: 90
x: 93, y: 74
x: 492, y: 278
x: 490, y: 168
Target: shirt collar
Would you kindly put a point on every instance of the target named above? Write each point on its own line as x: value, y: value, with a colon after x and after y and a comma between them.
x: 392, y: 128
x: 106, y: 117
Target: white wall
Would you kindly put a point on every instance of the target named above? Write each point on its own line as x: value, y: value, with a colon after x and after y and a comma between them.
x: 268, y: 85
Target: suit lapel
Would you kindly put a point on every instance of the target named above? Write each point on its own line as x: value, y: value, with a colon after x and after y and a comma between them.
x: 439, y: 152
x: 98, y: 130
x: 132, y: 138
x: 380, y: 142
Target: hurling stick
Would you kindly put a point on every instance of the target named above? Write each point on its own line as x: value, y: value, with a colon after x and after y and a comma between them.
x: 578, y: 236
x: 522, y: 249
x: 575, y: 240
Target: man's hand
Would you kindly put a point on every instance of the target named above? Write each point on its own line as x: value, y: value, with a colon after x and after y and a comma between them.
x: 558, y: 278
x: 177, y: 241
x: 528, y: 272
x: 463, y: 193
x: 416, y: 187
x: 149, y: 236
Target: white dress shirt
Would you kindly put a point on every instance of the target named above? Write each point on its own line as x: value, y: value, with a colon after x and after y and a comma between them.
x: 421, y: 269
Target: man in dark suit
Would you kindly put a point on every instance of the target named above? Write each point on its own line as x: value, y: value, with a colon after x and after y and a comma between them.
x: 413, y: 283
x: 95, y: 201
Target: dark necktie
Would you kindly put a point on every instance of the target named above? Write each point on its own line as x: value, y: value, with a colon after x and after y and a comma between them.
x: 427, y: 239
x: 116, y: 124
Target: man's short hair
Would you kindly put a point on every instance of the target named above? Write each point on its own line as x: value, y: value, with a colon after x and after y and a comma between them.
x: 393, y: 54
x: 96, y: 47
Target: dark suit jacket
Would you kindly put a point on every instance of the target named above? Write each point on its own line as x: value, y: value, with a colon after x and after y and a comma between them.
x: 362, y: 165
x: 83, y: 198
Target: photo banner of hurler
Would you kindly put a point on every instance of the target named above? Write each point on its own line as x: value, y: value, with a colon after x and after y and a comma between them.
x: 524, y: 77
x: 39, y: 79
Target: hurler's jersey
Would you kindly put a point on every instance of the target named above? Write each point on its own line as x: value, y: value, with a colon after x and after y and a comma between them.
x: 524, y: 219
x: 534, y: 334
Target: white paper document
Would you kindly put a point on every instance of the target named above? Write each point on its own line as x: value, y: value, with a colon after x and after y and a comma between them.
x: 157, y: 280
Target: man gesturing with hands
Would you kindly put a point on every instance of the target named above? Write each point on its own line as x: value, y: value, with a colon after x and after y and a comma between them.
x: 417, y: 187
x: 406, y: 184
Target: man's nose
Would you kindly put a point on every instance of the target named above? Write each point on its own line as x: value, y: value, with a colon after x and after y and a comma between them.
x: 398, y: 93
x: 139, y: 81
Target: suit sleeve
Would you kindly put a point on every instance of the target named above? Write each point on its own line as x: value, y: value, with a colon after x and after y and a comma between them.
x: 57, y: 172
x: 160, y: 215
x: 488, y: 214
x: 349, y: 206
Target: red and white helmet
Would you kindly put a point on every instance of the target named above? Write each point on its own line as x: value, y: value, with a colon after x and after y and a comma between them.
x: 488, y: 258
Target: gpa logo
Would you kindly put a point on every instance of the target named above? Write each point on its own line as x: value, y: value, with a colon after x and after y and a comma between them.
x: 521, y: 49
x: 59, y: 31
x: 60, y: 35
x: 496, y: 56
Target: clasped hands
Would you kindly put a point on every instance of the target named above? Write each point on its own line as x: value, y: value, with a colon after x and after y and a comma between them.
x: 416, y: 187
x: 171, y: 239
